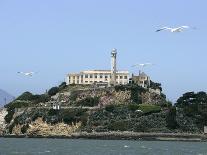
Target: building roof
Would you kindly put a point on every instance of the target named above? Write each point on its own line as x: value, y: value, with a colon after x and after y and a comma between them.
x: 143, y: 74
x: 98, y: 72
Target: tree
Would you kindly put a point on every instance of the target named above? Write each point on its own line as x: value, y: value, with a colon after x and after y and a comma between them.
x: 171, y: 118
x: 53, y: 91
x: 62, y: 85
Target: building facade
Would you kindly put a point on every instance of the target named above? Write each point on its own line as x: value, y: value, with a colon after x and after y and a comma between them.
x: 100, y: 77
x: 142, y: 80
x: 97, y: 76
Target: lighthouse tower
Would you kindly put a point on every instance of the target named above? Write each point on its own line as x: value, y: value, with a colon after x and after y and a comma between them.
x: 113, y: 67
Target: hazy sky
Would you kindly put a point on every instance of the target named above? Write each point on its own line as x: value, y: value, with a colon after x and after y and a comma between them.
x: 54, y: 38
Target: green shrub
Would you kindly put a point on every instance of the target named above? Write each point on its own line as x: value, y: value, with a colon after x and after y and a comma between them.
x: 53, y: 91
x: 149, y: 108
x: 70, y: 116
x: 52, y: 112
x: 88, y: 101
x: 110, y: 107
x: 24, y: 128
x: 171, y: 118
x: 9, y: 115
x: 62, y: 86
x: 118, y: 126
x: 133, y: 107
x: 26, y: 96
x: 74, y: 95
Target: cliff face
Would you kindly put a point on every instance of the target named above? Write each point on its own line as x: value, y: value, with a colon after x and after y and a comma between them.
x: 80, y: 109
x: 40, y: 127
x: 3, y: 113
x: 110, y: 96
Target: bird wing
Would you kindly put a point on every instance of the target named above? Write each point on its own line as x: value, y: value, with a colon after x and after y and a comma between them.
x: 163, y: 28
x: 148, y: 63
x: 20, y: 72
x: 185, y: 27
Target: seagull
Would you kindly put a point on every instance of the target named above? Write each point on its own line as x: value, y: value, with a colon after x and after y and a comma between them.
x: 143, y: 64
x: 175, y: 29
x: 26, y: 73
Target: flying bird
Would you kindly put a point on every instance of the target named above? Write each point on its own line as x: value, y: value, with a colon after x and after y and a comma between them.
x: 175, y: 29
x: 27, y: 73
x: 143, y: 64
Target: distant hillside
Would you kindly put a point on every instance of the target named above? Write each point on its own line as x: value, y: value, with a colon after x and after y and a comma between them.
x: 4, y: 95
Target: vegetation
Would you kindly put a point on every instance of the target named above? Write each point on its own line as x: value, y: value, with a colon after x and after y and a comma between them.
x: 194, y: 106
x: 149, y: 108
x: 171, y: 118
x: 135, y: 89
x: 52, y: 91
x: 88, y: 102
x: 155, y: 85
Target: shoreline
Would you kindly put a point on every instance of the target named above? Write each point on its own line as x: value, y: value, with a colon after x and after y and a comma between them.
x: 122, y: 136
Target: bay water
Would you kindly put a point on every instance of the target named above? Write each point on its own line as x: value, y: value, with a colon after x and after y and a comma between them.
x: 47, y: 146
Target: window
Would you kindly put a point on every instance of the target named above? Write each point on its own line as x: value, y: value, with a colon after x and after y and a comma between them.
x: 125, y: 77
x: 86, y: 81
x: 91, y: 81
x: 101, y: 76
x: 106, y: 76
x: 91, y: 76
x: 86, y: 76
x: 81, y: 76
x: 116, y: 77
x: 121, y: 77
x: 95, y: 76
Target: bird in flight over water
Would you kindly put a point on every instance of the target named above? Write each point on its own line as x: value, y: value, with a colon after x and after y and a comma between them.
x: 175, y: 29
x: 27, y: 73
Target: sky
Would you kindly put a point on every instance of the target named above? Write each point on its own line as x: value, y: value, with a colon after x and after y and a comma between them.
x: 54, y: 38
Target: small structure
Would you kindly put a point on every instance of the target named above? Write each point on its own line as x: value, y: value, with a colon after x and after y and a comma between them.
x: 142, y: 80
x: 205, y: 129
x: 56, y: 106
x: 113, y: 67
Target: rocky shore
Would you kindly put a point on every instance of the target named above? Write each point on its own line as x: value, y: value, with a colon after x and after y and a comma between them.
x: 121, y: 136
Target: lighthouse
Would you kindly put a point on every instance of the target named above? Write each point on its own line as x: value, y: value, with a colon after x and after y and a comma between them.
x: 113, y: 66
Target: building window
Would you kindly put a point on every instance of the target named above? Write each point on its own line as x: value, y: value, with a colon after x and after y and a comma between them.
x: 125, y: 77
x: 86, y: 76
x: 121, y: 77
x: 106, y: 77
x: 91, y: 81
x: 95, y: 76
x: 116, y: 77
x: 86, y: 81
x: 81, y: 76
x: 91, y: 76
x: 78, y: 82
x: 101, y: 76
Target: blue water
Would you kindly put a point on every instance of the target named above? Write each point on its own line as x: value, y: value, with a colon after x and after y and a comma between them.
x: 26, y: 146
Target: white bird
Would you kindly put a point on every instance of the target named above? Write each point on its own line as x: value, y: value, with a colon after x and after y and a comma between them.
x: 143, y: 64
x: 26, y: 73
x: 175, y: 29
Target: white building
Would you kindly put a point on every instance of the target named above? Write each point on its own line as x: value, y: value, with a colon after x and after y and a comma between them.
x: 97, y: 76
x: 107, y: 77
